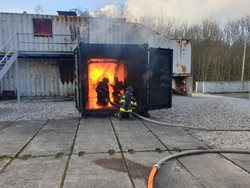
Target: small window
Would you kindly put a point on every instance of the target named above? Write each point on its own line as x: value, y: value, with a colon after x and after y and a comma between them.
x: 42, y: 27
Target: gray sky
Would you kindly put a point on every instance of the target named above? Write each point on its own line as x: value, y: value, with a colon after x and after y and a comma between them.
x: 191, y: 11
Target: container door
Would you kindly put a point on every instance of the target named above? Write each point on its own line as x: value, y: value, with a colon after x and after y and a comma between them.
x: 77, y: 79
x: 160, y: 78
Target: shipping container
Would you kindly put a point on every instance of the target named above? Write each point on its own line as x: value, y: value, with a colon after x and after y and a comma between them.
x: 147, y: 70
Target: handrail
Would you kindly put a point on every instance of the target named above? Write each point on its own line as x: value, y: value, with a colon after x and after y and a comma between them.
x: 8, y: 41
x: 55, y: 42
x: 38, y: 36
x: 37, y: 40
x: 11, y: 49
x: 46, y: 43
x: 12, y: 42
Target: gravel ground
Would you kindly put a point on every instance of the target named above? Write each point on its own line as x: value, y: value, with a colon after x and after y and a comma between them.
x: 209, y: 111
x: 49, y: 108
x: 201, y: 110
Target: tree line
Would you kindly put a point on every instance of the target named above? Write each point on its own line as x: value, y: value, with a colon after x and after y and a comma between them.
x: 217, y: 49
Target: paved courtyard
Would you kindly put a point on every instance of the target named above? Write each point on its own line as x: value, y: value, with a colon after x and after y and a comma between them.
x: 105, y: 152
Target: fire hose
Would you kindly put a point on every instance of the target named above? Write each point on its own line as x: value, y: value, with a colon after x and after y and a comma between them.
x: 186, y: 127
x: 178, y: 125
x: 156, y: 167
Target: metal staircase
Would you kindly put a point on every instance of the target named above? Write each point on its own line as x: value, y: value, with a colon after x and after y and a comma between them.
x: 8, y: 55
x: 26, y: 45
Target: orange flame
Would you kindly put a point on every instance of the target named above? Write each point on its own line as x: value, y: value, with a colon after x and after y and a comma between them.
x: 95, y: 73
x: 99, y: 69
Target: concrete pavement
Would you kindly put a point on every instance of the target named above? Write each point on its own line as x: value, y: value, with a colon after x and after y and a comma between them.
x: 14, y: 138
x: 4, y: 124
x: 106, y: 152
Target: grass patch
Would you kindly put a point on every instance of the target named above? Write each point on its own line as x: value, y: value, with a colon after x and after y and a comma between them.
x: 26, y: 157
x: 131, y: 151
x: 4, y: 157
x: 59, y: 155
x: 158, y: 150
x: 177, y: 149
x: 81, y: 153
x: 111, y: 152
x: 6, y: 166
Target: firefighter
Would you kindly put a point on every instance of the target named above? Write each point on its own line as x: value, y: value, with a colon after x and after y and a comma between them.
x: 117, y: 87
x: 127, y: 104
x: 102, y: 91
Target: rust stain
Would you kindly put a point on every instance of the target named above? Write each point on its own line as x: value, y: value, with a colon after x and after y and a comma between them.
x: 74, y: 31
x: 187, y: 42
x: 180, y: 49
x: 183, y: 68
x: 71, y: 19
x: 61, y: 18
x: 57, y: 18
x: 178, y: 42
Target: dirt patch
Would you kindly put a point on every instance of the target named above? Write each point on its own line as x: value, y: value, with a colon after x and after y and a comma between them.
x: 136, y: 170
x: 113, y: 164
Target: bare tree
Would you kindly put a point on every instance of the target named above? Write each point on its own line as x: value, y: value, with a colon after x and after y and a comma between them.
x: 38, y: 9
x: 217, y: 50
x: 81, y: 12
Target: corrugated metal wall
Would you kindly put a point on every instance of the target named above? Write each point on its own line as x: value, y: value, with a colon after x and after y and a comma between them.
x: 41, y: 77
x: 67, y: 30
x: 38, y: 77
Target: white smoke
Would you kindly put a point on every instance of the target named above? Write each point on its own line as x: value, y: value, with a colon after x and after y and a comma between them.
x: 190, y: 11
x: 110, y: 11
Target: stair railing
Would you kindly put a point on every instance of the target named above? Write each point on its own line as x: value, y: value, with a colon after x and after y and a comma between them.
x: 8, y: 54
x: 9, y: 48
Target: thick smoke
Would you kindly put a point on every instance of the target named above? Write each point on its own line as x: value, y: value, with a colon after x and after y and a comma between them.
x: 108, y: 11
x: 190, y: 11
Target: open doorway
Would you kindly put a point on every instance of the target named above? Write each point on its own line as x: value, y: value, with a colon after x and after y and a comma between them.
x: 105, y: 82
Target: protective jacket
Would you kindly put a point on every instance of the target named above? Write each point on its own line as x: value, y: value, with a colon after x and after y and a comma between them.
x: 127, y: 102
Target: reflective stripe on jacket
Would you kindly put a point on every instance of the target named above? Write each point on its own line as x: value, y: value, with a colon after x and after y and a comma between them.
x: 128, y: 102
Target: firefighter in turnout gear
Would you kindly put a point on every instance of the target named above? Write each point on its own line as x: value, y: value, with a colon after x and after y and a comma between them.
x: 127, y: 104
x: 117, y: 87
x: 102, y: 91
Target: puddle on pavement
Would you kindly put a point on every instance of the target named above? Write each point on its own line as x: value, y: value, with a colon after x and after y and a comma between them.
x: 136, y: 170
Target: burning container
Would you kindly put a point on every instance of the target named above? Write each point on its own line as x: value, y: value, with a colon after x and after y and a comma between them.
x: 148, y: 70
